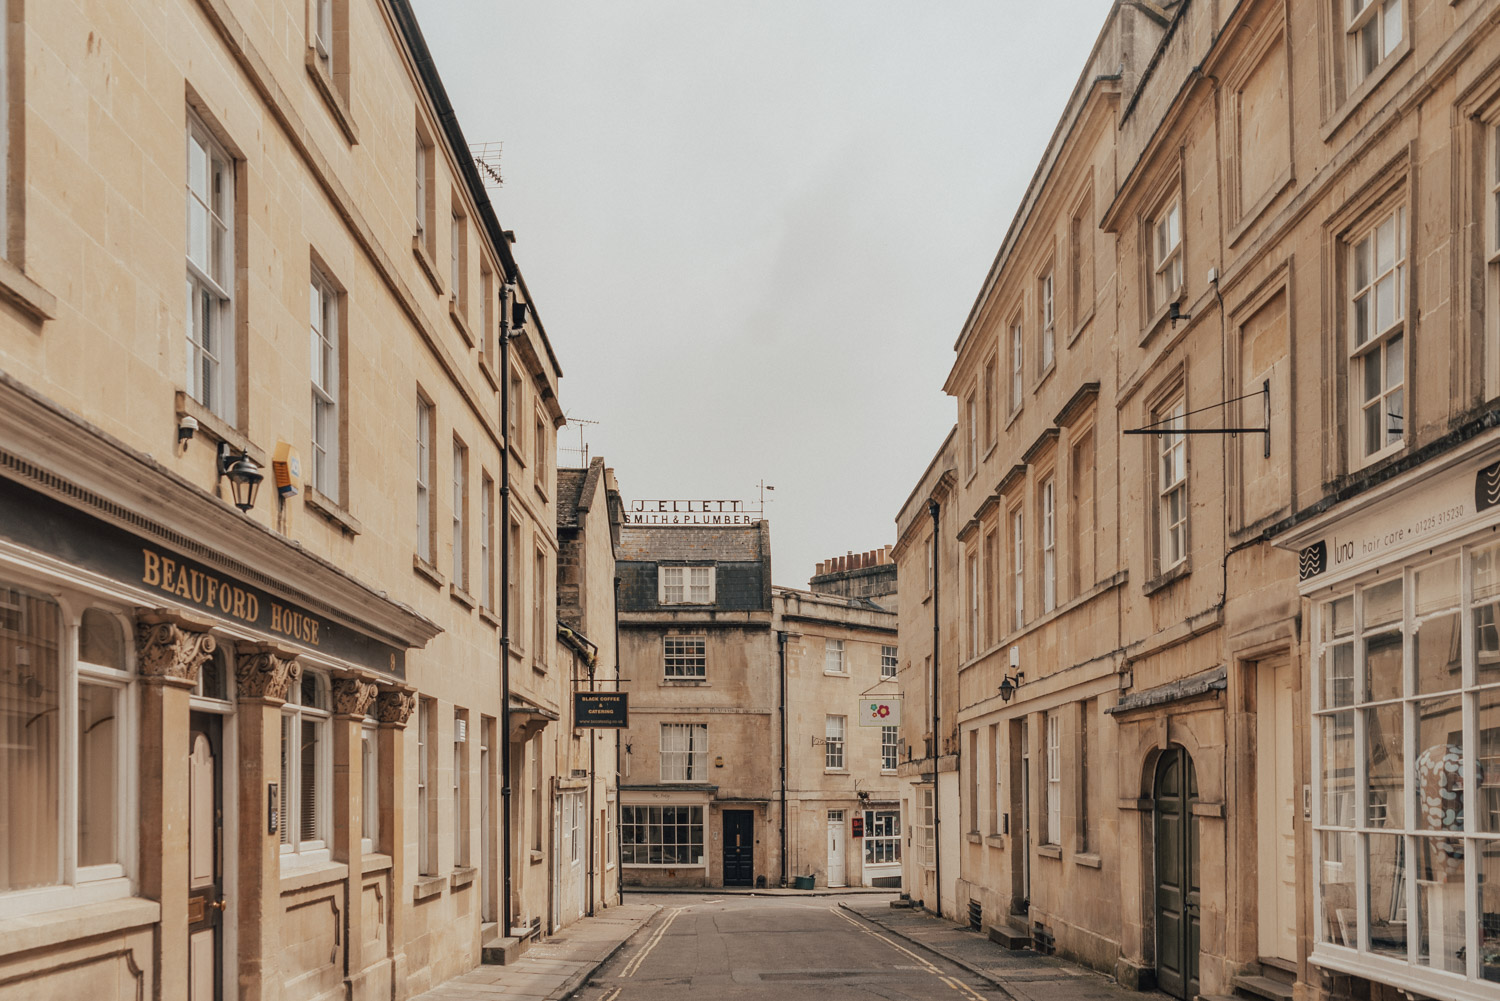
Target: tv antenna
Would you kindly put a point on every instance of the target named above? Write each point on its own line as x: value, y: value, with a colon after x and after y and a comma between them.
x: 764, y: 486
x: 487, y: 159
x: 583, y: 448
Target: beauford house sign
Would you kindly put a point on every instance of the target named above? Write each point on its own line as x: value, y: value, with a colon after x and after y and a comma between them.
x: 691, y: 512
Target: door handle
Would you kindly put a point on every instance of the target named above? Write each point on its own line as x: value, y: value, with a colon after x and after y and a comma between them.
x: 219, y: 905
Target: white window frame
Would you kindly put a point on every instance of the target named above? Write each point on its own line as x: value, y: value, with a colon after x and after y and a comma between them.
x: 1049, y: 544
x: 835, y: 730
x: 1171, y: 485
x: 973, y: 604
x: 486, y: 542
x: 426, y: 737
x: 1376, y: 349
x: 1373, y: 32
x: 211, y: 340
x: 1047, y: 294
x: 883, y: 836
x: 1002, y: 768
x: 888, y: 663
x: 684, y: 752
x: 890, y: 748
x: 834, y: 659
x: 931, y: 563
x: 369, y: 763
x: 423, y: 165
x: 425, y: 421
x: 925, y: 840
x: 1492, y: 256
x: 1053, y: 834
x: 638, y: 819
x: 80, y: 884
x: 460, y: 515
x: 457, y: 238
x: 971, y: 439
x: 1018, y: 569
x: 323, y: 319
x: 295, y: 848
x: 323, y: 33
x: 1166, y: 253
x: 460, y: 788
x: 685, y: 658
x: 1017, y: 364
x: 541, y: 653
x: 686, y: 585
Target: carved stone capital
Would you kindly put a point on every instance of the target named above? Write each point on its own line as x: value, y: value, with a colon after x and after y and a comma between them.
x: 264, y: 673
x: 353, y: 696
x: 168, y: 648
x: 395, y: 706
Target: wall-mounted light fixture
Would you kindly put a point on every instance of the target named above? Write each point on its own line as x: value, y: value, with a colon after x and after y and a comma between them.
x: 1009, y: 683
x: 243, y: 473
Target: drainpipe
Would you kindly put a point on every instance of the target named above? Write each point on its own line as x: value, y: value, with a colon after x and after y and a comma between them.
x: 937, y: 841
x: 589, y: 825
x: 506, y: 295
x: 781, y: 645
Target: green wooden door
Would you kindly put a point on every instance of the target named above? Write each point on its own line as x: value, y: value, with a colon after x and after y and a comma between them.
x: 1177, y: 883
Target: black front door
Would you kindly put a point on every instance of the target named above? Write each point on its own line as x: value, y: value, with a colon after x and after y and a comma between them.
x: 206, y: 904
x: 1177, y: 889
x: 739, y: 847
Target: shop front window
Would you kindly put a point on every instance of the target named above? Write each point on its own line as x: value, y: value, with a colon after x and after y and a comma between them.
x: 1408, y: 807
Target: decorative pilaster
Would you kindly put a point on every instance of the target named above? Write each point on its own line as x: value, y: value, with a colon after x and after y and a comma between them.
x: 171, y: 648
x: 263, y: 672
x: 353, y: 696
x: 394, y: 707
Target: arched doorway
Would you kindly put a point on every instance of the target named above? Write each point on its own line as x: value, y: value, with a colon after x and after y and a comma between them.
x: 1177, y: 882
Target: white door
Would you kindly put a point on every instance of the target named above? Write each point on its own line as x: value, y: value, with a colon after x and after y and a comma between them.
x: 578, y: 880
x: 557, y: 861
x: 1276, y: 805
x: 835, y: 847
x: 486, y: 835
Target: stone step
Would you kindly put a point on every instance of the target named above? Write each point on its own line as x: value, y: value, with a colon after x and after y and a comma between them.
x: 1009, y: 938
x: 503, y: 951
x: 1263, y: 987
x: 903, y: 902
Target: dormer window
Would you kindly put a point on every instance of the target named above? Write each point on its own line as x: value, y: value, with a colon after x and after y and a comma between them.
x: 686, y: 586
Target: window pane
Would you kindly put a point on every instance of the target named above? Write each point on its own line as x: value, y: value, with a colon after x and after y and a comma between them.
x: 29, y: 740
x: 1339, y: 925
x: 1338, y: 769
x: 1488, y: 806
x: 1387, y: 894
x: 1489, y: 911
x: 1338, y: 676
x: 1383, y: 603
x: 1439, y: 660
x: 98, y: 773
x: 1440, y: 903
x: 1439, y: 765
x: 1484, y: 571
x: 101, y: 641
x: 1382, y: 666
x: 310, y: 826
x: 1385, y: 767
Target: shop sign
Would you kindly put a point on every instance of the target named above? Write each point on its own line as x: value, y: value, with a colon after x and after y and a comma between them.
x: 39, y: 522
x: 885, y: 711
x: 1429, y: 512
x: 602, y: 710
x: 691, y: 513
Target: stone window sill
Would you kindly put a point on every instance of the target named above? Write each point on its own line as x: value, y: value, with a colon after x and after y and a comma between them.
x: 332, y: 510
x: 1049, y: 851
x: 331, y: 97
x: 296, y: 878
x: 429, y: 268
x: 973, y: 837
x: 1083, y: 321
x: 462, y: 596
x: 995, y: 840
x: 536, y: 857
x: 462, y: 876
x: 374, y: 862
x: 25, y: 294
x: 1091, y: 860
x: 50, y: 928
x: 430, y: 573
x: 217, y: 429
x: 489, y: 372
x: 427, y: 886
x: 1364, y: 88
x: 457, y: 316
x: 1167, y: 577
x: 489, y: 617
x: 684, y: 683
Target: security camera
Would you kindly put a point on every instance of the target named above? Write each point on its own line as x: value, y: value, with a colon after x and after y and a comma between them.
x: 186, y: 428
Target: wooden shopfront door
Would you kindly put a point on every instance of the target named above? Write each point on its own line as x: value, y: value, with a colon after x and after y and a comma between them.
x: 739, y: 847
x: 1177, y: 882
x: 206, y: 904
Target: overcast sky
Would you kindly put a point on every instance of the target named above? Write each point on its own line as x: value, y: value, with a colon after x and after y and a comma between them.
x: 753, y: 229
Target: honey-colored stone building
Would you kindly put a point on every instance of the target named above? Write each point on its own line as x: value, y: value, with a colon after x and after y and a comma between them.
x: 1224, y: 480
x: 254, y: 747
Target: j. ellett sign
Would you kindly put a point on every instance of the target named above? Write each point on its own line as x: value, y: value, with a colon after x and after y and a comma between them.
x: 601, y: 709
x: 690, y: 512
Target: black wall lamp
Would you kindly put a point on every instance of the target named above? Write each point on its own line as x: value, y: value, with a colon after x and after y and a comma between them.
x: 243, y: 474
x: 1009, y: 684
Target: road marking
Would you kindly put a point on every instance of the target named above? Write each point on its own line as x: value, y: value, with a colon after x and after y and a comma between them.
x: 953, y: 983
x: 611, y: 995
x: 635, y: 963
x: 959, y: 985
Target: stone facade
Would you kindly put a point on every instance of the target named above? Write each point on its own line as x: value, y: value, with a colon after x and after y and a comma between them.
x: 843, y: 802
x: 313, y: 683
x: 698, y: 657
x: 1266, y: 219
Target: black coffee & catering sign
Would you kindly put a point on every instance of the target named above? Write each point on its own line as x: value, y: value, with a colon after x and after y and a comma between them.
x: 607, y: 710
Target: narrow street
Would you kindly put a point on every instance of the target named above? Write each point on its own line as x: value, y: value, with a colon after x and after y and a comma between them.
x: 759, y: 947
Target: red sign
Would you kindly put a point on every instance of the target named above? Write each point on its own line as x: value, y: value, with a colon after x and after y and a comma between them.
x: 858, y: 830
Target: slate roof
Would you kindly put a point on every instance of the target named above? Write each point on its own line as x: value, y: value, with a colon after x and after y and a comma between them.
x: 569, y: 490
x: 653, y: 543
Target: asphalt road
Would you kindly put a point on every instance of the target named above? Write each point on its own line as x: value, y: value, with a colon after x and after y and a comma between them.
x: 733, y: 948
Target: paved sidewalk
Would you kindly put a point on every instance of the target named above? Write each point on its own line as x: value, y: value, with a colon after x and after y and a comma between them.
x: 1023, y: 974
x: 768, y: 891
x: 553, y: 968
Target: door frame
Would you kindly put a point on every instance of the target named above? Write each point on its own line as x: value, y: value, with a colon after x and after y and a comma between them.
x: 228, y: 835
x: 841, y: 827
x: 724, y: 846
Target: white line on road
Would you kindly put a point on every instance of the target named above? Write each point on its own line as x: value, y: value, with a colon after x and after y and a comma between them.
x: 955, y: 984
x: 635, y: 963
x: 611, y: 995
